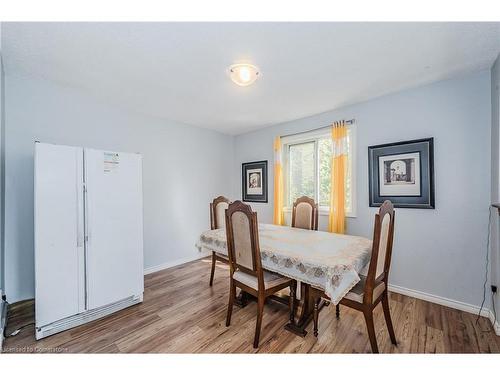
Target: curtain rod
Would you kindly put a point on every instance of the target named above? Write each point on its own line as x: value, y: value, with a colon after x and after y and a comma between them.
x: 348, y: 122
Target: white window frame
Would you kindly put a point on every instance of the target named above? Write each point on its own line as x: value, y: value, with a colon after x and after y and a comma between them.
x: 314, y: 136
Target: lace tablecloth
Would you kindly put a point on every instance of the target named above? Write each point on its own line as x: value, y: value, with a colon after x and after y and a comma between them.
x: 331, y: 262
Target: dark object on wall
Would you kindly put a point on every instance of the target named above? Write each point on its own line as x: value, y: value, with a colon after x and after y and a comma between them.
x: 402, y: 172
x: 254, y: 181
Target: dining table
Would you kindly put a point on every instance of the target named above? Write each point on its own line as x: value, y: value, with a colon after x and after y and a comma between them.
x: 329, y: 262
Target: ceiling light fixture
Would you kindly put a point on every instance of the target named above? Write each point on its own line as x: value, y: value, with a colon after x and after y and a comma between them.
x: 243, y: 74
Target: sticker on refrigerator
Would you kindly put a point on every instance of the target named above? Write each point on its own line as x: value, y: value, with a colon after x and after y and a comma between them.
x: 111, y: 161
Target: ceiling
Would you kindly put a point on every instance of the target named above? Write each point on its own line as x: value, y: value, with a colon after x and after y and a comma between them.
x: 178, y: 71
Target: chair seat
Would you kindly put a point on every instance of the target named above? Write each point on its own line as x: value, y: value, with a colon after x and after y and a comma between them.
x: 357, y: 293
x: 270, y: 279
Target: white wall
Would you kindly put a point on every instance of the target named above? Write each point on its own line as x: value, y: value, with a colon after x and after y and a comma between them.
x: 441, y: 251
x: 184, y: 167
x: 495, y: 176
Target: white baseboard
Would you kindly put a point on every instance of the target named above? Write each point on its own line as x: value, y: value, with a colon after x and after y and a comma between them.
x: 439, y: 300
x: 3, y: 318
x: 462, y: 306
x: 174, y: 263
x: 495, y: 323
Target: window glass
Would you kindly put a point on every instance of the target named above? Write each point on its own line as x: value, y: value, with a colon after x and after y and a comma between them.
x: 302, y: 171
x: 325, y: 170
x: 310, y: 167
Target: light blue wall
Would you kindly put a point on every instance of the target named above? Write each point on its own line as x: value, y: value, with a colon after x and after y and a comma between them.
x: 495, y: 176
x: 184, y: 167
x: 441, y: 251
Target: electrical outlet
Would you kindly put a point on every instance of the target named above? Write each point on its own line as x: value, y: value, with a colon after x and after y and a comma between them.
x: 493, y: 288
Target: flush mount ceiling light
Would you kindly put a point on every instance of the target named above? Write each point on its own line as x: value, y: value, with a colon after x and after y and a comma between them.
x: 243, y: 74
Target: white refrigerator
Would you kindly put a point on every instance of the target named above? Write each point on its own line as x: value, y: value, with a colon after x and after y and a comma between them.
x: 88, y: 235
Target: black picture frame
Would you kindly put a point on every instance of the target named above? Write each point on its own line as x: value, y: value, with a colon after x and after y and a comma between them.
x: 420, y: 180
x: 256, y: 172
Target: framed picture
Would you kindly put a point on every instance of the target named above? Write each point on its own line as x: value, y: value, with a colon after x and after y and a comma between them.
x: 254, y: 182
x: 403, y: 173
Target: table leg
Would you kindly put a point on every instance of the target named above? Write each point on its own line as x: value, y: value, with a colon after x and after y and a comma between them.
x: 242, y: 298
x: 306, y: 312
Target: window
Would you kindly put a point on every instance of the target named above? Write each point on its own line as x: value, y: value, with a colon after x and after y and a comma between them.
x: 307, y: 167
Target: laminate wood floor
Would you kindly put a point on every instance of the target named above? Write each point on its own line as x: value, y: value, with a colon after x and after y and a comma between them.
x: 182, y: 314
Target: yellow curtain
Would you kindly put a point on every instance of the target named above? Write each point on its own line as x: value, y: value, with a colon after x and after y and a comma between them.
x: 279, y: 218
x: 336, y: 222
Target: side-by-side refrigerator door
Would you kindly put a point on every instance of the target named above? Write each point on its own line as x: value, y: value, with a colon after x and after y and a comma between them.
x: 59, y: 233
x: 114, y: 226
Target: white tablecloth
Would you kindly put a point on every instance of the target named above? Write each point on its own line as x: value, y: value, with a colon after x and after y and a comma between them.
x: 331, y: 262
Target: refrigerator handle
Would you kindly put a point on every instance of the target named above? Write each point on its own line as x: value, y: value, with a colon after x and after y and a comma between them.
x: 86, y: 209
x: 80, y: 186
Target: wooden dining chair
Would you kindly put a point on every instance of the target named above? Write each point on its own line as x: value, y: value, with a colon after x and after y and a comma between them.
x: 372, y: 289
x: 218, y: 221
x: 305, y: 214
x: 246, y: 270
